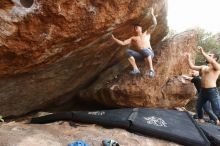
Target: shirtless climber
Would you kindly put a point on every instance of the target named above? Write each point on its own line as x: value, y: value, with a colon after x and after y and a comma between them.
x: 209, y: 91
x: 141, y: 43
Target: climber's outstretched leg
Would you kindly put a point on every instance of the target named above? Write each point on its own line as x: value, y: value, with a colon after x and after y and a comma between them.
x: 151, y: 71
x: 149, y: 54
x: 134, y: 65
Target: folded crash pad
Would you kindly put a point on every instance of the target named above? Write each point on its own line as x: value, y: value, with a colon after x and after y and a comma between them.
x: 212, y: 132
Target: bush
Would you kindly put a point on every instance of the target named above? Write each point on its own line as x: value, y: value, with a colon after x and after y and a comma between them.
x: 1, y: 119
x: 208, y: 42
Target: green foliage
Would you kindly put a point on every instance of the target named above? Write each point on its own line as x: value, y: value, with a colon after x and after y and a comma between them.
x: 207, y: 41
x: 1, y: 119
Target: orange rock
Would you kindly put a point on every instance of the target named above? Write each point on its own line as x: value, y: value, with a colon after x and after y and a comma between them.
x: 6, y: 4
x: 49, y: 50
x: 115, y: 87
x: 41, y: 33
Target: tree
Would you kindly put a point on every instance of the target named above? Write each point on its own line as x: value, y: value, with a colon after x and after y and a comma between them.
x: 207, y: 41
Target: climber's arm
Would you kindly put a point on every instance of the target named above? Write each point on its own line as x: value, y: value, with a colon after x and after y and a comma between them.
x: 154, y: 20
x: 123, y: 43
x: 212, y: 61
x: 191, y: 65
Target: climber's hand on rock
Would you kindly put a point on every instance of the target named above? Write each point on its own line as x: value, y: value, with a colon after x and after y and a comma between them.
x: 148, y: 12
x: 151, y: 10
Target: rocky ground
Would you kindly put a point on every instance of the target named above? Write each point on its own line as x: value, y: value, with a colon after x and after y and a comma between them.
x: 19, y: 133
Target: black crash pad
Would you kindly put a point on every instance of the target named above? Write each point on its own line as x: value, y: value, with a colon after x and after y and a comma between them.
x: 212, y: 132
x: 170, y: 125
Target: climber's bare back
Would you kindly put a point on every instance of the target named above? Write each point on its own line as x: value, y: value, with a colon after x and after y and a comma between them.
x: 141, y: 41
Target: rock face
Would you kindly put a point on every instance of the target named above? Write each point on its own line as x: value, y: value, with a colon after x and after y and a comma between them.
x: 38, y: 32
x: 115, y: 87
x: 62, y: 133
x: 49, y: 50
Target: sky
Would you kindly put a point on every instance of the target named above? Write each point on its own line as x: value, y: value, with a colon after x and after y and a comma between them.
x: 186, y: 14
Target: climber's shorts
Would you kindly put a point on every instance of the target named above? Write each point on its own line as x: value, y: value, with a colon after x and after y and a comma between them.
x: 141, y: 54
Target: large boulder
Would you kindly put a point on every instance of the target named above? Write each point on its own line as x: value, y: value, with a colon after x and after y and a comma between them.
x: 115, y: 87
x: 49, y: 50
